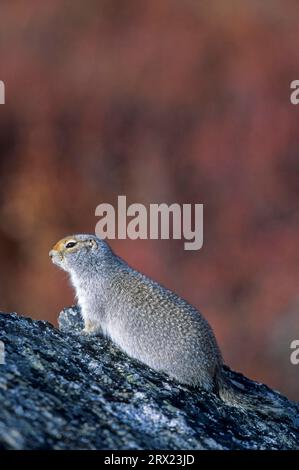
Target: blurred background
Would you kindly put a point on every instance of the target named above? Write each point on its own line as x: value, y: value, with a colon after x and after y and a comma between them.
x: 163, y: 101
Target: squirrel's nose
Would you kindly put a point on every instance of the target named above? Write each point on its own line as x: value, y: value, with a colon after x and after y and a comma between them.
x: 51, y: 253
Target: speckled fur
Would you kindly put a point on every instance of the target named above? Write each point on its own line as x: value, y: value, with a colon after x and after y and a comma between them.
x: 147, y: 321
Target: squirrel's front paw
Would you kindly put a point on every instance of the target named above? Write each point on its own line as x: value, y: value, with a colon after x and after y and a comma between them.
x: 89, y: 328
x: 86, y: 331
x: 89, y: 331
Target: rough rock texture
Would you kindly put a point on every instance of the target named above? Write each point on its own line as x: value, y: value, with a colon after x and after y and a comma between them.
x: 62, y: 390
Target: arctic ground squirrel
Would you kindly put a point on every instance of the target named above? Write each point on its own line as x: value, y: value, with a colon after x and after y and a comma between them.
x: 147, y: 321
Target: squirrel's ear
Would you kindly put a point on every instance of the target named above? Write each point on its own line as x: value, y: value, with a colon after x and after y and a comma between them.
x: 92, y: 243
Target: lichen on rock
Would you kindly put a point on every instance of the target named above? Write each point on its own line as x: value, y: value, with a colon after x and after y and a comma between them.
x: 63, y: 390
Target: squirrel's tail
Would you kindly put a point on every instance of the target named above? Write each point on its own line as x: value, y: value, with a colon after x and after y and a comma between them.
x: 234, y: 396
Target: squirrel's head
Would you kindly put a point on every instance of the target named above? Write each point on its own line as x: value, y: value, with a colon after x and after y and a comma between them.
x: 76, y: 252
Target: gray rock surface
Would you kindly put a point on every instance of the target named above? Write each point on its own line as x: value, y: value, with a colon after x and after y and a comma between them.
x: 62, y: 390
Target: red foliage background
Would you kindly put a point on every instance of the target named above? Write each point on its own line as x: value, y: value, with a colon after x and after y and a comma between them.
x: 164, y: 101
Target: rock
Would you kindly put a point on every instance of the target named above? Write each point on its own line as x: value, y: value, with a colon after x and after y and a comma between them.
x: 63, y: 390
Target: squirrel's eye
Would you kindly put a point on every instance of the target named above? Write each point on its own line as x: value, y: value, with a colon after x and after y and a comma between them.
x: 70, y: 244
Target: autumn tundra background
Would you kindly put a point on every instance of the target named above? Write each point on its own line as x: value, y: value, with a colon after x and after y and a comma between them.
x: 163, y: 101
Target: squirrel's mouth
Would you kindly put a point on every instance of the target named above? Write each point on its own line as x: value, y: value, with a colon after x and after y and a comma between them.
x: 56, y: 257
